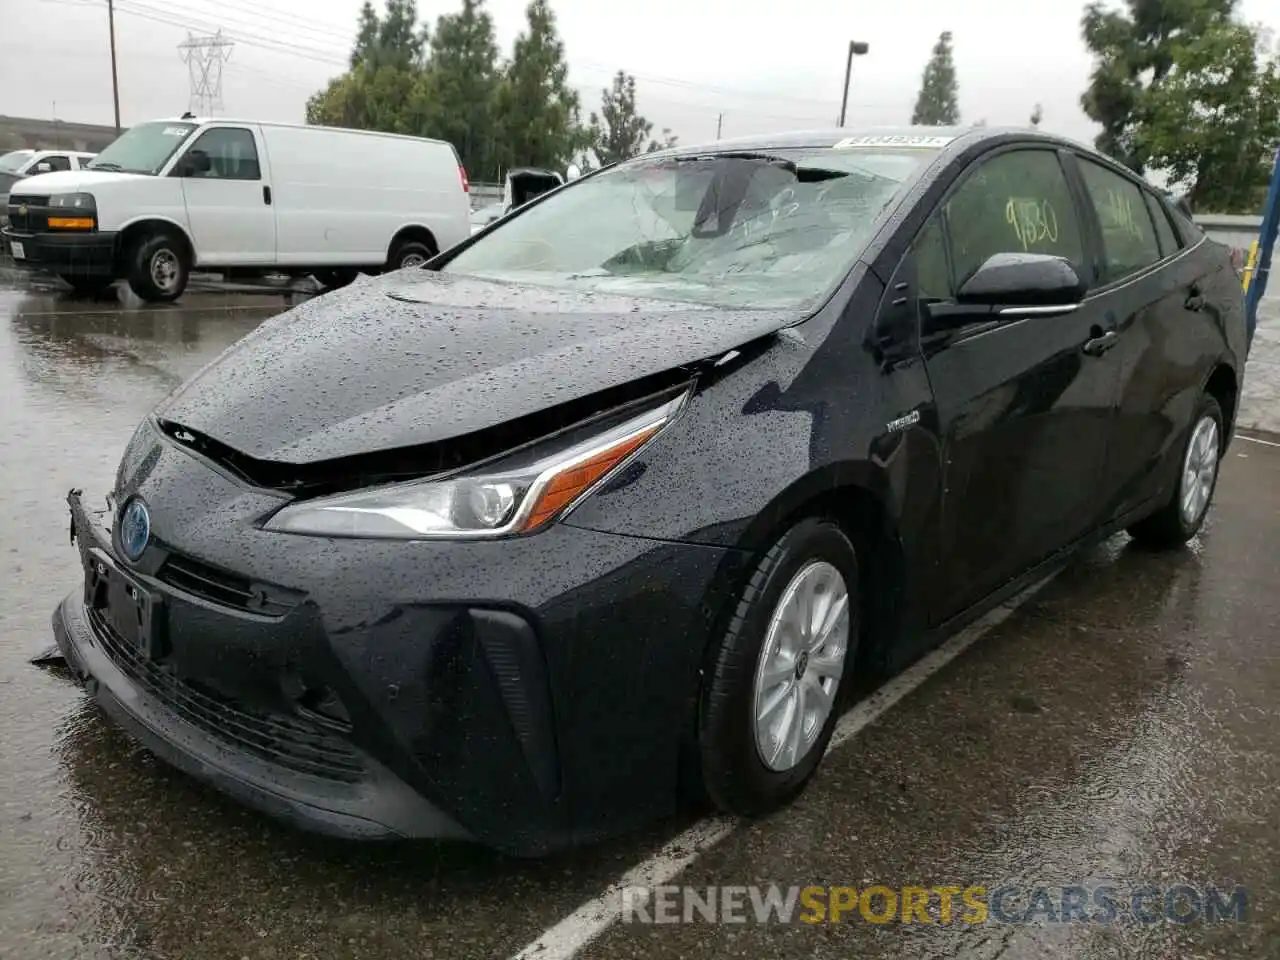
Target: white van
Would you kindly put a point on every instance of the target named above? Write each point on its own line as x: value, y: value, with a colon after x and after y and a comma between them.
x: 19, y: 164
x: 240, y: 198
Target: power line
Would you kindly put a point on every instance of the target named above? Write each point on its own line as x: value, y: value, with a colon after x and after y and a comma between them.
x: 186, y: 18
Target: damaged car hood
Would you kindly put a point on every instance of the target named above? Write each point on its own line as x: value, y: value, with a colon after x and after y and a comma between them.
x: 421, y: 357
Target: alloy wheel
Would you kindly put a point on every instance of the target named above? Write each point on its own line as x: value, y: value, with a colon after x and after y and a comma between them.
x: 800, y: 665
x: 1199, y: 470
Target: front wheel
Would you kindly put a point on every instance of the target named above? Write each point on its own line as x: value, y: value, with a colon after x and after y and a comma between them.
x: 770, y: 704
x: 1183, y: 514
x: 158, y: 268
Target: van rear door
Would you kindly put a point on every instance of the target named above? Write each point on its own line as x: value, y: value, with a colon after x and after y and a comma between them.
x: 227, y: 191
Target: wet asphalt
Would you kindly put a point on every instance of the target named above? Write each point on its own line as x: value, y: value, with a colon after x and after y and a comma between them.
x: 1118, y: 728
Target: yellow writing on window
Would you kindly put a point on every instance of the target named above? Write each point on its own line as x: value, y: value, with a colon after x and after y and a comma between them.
x: 1034, y: 221
x: 1117, y: 215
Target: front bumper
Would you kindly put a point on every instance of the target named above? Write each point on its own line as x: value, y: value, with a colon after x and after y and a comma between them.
x: 89, y: 255
x: 528, y: 694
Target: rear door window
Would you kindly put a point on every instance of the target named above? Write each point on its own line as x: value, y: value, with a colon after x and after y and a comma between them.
x: 1128, y: 233
x: 1168, y: 240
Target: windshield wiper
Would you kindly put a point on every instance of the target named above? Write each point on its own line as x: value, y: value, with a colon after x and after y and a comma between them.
x: 104, y: 165
x: 802, y: 174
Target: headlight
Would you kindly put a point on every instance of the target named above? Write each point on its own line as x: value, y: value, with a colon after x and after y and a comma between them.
x: 518, y: 493
x: 73, y: 201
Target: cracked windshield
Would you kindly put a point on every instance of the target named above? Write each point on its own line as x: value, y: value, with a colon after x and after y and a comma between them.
x: 555, y: 480
x: 768, y: 230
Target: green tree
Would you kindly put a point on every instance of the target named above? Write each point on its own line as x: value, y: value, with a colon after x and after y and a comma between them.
x: 1213, y: 122
x: 538, y: 113
x: 937, y: 105
x: 462, y: 78
x: 366, y: 44
x: 619, y: 132
x: 385, y: 87
x: 1183, y: 86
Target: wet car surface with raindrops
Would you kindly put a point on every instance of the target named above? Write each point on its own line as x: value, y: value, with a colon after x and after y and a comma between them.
x: 1115, y: 727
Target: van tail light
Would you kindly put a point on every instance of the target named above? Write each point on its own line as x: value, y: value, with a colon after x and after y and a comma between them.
x: 466, y: 184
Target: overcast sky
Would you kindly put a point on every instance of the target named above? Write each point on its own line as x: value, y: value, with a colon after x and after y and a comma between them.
x: 763, y: 64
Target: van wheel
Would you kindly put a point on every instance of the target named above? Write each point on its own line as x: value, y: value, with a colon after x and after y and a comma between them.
x: 336, y: 277
x: 410, y: 253
x: 1183, y: 513
x: 158, y: 268
x: 769, y: 705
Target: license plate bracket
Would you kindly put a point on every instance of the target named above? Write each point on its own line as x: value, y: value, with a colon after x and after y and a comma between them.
x: 130, y: 609
x: 18, y: 250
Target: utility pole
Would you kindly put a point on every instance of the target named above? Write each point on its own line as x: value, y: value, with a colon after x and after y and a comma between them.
x: 719, y: 123
x: 115, y: 83
x: 856, y: 47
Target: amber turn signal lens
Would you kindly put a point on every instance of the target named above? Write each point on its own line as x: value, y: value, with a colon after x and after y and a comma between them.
x: 71, y: 223
x: 574, y: 478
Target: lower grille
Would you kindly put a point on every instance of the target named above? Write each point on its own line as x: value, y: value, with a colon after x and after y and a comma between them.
x: 225, y: 588
x: 282, y: 740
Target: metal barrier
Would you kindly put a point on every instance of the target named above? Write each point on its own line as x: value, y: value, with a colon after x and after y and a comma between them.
x: 1256, y: 278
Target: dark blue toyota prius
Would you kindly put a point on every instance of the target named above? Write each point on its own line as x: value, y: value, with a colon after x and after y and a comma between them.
x: 615, y: 502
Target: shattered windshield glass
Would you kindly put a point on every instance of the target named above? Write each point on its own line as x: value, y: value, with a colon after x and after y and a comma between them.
x: 769, y: 229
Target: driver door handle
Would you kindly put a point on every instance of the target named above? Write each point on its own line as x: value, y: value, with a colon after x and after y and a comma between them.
x: 1099, y: 342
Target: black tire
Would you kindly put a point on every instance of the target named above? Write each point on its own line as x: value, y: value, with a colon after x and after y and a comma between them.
x: 335, y: 278
x: 734, y: 772
x: 410, y: 253
x: 86, y: 285
x: 153, y: 257
x: 1171, y: 526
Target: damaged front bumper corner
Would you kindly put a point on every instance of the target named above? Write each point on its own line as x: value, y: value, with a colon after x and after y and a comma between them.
x: 172, y: 721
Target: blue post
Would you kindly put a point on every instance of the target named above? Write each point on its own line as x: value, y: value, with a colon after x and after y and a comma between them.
x: 1266, y: 243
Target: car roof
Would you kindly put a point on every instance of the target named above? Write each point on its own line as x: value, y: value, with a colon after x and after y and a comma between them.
x: 945, y: 139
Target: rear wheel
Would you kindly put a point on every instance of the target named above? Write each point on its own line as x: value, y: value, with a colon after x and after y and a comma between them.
x: 410, y: 253
x: 770, y: 704
x: 158, y: 267
x: 1183, y: 514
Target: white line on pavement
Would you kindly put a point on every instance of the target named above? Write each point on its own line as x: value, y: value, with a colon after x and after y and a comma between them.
x: 571, y: 935
x: 1265, y: 443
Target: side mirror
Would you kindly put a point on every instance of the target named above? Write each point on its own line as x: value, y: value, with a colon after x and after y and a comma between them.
x: 194, y: 163
x: 1023, y: 280
x: 44, y: 167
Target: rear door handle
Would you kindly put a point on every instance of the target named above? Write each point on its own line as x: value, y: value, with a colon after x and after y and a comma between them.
x: 266, y: 195
x: 1100, y: 342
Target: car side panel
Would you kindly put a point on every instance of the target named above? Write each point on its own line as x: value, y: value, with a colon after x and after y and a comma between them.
x: 800, y: 416
x: 1166, y: 352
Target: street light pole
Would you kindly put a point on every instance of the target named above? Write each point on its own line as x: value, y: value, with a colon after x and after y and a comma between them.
x: 115, y: 84
x: 856, y: 47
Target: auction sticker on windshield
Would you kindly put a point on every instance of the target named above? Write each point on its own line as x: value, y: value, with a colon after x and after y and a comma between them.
x: 901, y: 140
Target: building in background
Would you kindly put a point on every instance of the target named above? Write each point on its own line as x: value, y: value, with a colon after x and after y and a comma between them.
x: 25, y: 133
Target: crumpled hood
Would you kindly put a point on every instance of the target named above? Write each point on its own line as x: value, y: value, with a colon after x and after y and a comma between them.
x: 418, y: 357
